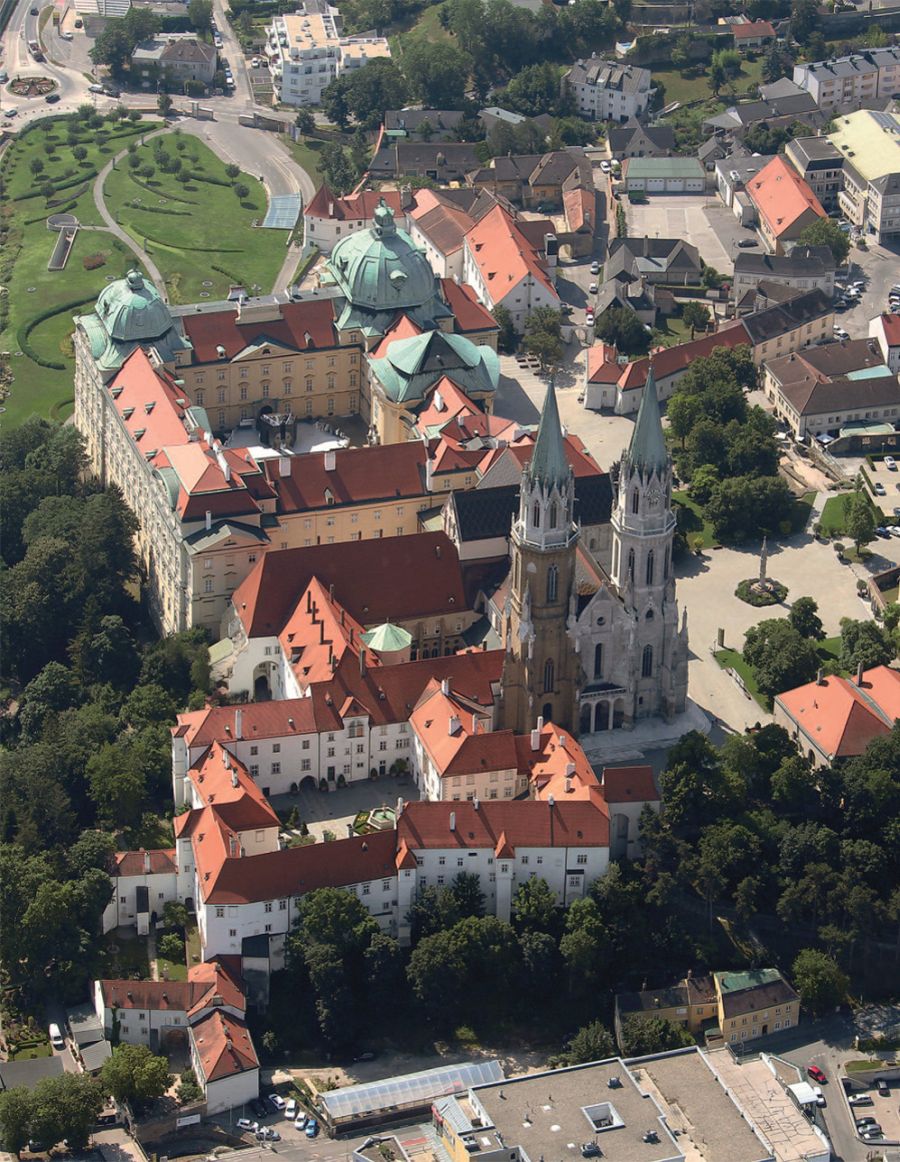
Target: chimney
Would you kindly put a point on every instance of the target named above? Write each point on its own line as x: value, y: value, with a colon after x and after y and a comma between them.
x: 445, y: 686
x: 570, y: 770
x: 234, y: 778
x: 540, y: 723
x: 820, y: 677
x: 859, y: 674
x: 429, y: 473
x: 233, y: 850
x: 475, y: 803
x: 146, y: 863
x: 238, y: 723
x: 569, y: 787
x: 452, y: 820
x: 535, y: 740
x: 284, y: 465
x: 208, y: 520
x: 454, y: 724
x: 331, y: 592
x: 562, y: 740
x: 551, y: 802
x: 362, y: 661
x: 330, y: 460
x: 399, y: 811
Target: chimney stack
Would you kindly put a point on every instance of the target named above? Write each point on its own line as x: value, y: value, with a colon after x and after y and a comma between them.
x: 146, y: 863
x: 238, y: 723
x: 859, y: 674
x: 330, y: 460
x: 284, y: 465
x: 454, y: 724
x: 475, y: 803
x: 452, y: 820
x: 570, y: 770
x: 362, y: 661
x: 569, y: 787
x: 234, y: 778
x: 208, y: 520
x: 551, y: 802
x: 820, y: 677
x: 535, y: 740
x: 331, y: 592
x: 540, y: 722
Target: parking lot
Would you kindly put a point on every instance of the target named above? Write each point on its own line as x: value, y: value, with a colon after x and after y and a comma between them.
x: 702, y: 220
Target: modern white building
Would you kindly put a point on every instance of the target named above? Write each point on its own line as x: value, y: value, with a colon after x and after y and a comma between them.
x: 609, y: 90
x: 869, y: 142
x: 850, y: 80
x: 886, y: 330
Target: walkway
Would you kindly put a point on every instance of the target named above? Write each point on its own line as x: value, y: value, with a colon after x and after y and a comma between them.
x: 114, y: 227
x: 288, y: 268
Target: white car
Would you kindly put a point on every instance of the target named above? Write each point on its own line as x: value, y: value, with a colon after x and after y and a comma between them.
x: 67, y: 35
x: 300, y: 1122
x: 865, y: 1099
x: 820, y: 1097
x: 890, y: 463
x: 277, y: 1102
x: 246, y: 1126
x: 592, y: 289
x: 840, y: 333
x: 290, y: 1110
x: 605, y: 166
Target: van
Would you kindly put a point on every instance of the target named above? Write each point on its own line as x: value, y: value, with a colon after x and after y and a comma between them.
x: 56, y: 1038
x: 95, y: 88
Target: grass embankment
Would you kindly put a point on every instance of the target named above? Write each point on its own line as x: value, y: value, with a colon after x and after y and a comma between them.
x: 198, y: 231
x: 32, y: 289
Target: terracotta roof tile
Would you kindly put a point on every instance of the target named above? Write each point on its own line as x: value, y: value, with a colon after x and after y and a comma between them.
x: 224, y: 1046
x: 782, y: 197
x: 138, y: 863
x: 842, y: 718
x: 208, y: 331
x: 385, y: 472
x: 527, y: 823
x: 352, y: 208
x: 629, y: 785
x: 504, y: 255
x: 470, y: 315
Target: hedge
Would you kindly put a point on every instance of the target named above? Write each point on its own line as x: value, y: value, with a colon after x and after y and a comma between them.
x: 159, y: 210
x: 198, y: 177
x: 26, y: 328
x: 171, y: 197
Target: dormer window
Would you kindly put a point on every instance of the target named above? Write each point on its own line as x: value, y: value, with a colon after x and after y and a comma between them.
x: 329, y: 496
x: 128, y: 413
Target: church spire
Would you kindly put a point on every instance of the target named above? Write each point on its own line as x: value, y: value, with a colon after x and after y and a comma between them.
x: 647, y: 451
x: 548, y: 464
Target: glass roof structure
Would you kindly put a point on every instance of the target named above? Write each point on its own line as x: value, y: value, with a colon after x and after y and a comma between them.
x: 410, y: 1089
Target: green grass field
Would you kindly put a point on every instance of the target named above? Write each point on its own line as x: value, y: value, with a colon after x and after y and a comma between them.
x: 689, y: 85
x: 731, y: 659
x: 693, y: 520
x: 34, y: 289
x: 831, y: 522
x: 199, y: 233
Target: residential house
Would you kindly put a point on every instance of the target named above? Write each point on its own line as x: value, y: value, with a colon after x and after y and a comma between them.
x: 442, y: 161
x: 178, y: 56
x: 752, y: 35
x: 143, y: 883
x: 609, y: 90
x: 846, y: 81
x: 869, y: 142
x: 823, y: 389
x: 328, y: 218
x: 636, y: 140
x: 421, y: 124
x: 779, y: 112
x: 306, y: 50
x: 784, y: 203
x: 821, y: 165
x: 885, y: 329
x: 733, y: 173
x: 806, y: 268
x: 691, y: 1003
x: 754, y: 1004
x: 803, y: 321
x: 26, y: 1073
x: 664, y: 175
x: 535, y: 181
x: 836, y: 718
x: 508, y: 268
x: 672, y: 261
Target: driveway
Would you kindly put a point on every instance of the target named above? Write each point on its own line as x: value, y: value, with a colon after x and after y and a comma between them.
x: 699, y: 219
x: 879, y: 267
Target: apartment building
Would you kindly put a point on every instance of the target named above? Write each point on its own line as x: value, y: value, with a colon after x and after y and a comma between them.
x: 306, y: 50
x: 869, y: 142
x: 885, y: 329
x: 821, y: 165
x: 784, y: 203
x: 805, y: 268
x: 609, y: 90
x: 851, y: 80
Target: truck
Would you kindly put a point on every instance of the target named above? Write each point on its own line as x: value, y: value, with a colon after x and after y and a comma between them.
x: 35, y: 49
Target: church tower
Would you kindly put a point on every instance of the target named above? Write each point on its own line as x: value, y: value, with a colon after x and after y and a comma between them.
x: 643, y: 525
x: 541, y: 668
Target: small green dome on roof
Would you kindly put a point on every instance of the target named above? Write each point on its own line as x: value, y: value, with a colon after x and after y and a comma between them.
x: 381, y: 269
x: 387, y: 638
x: 131, y: 309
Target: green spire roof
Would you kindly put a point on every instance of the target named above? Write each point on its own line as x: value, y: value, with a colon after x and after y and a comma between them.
x: 387, y: 638
x: 647, y: 450
x: 549, y: 463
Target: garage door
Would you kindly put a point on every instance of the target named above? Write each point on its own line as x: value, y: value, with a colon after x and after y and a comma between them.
x: 676, y: 185
x: 656, y: 185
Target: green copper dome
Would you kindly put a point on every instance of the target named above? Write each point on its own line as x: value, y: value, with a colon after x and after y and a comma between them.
x: 412, y: 366
x: 388, y: 639
x: 131, y: 309
x: 381, y: 269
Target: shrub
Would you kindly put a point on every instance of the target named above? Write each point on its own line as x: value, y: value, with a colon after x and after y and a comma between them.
x: 774, y: 596
x: 94, y: 261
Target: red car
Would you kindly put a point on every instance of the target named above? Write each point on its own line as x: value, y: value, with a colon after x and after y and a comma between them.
x: 816, y: 1074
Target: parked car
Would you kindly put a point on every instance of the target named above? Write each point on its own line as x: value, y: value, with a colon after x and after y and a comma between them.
x: 267, y: 1134
x: 894, y: 530
x: 881, y: 531
x: 873, y: 1134
x: 312, y: 1128
x: 56, y: 1038
x: 881, y: 1084
x: 259, y: 1107
x: 860, y: 1099
x: 839, y: 332
x: 879, y: 489
x: 747, y: 242
x: 816, y: 1074
x: 868, y: 1120
x: 820, y: 1097
x: 277, y: 1102
x: 589, y: 318
x: 67, y: 35
x: 290, y: 1110
x: 592, y: 289
x: 52, y: 98
x: 246, y: 1126
x: 890, y: 463
x: 300, y: 1122
x: 4, y: 76
x: 595, y: 267
x: 605, y: 166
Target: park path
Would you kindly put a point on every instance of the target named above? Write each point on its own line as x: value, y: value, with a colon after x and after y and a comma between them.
x: 288, y: 268
x: 114, y: 228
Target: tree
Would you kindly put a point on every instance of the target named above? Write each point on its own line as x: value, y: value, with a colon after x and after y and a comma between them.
x: 65, y: 1107
x: 683, y: 412
x: 864, y: 643
x: 337, y: 167
x: 747, y: 506
x: 305, y: 122
x: 695, y: 315
x: 533, y: 91
x: 135, y: 1075
x: 175, y: 914
x: 92, y: 849
x: 804, y: 617
x: 680, y: 55
x: 717, y: 76
x: 118, y: 785
x: 804, y: 20
x: 543, y: 335
x: 54, y: 689
x: 728, y: 61
x: 171, y: 947
x: 592, y: 1042
x: 467, y: 894
x: 199, y: 13
x: 232, y: 171
x: 779, y: 656
x: 621, y: 327
x: 819, y: 981
x: 437, y: 73
x: 506, y: 339
x: 241, y: 190
x: 859, y: 519
x: 642, y: 1035
x: 826, y: 232
x: 109, y: 655
x: 16, y: 1107
x: 115, y: 44
x: 534, y: 907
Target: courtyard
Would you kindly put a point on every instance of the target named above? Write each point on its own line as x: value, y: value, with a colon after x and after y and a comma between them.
x: 700, y: 218
x: 334, y: 812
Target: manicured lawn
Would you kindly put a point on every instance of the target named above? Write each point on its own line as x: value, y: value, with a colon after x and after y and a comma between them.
x: 192, y: 943
x: 829, y: 650
x: 171, y: 969
x: 689, y: 85
x: 832, y: 519
x: 306, y: 154
x: 801, y: 509
x: 731, y: 659
x: 672, y: 333
x: 33, y: 289
x: 693, y: 521
x: 199, y: 233
x: 42, y: 1049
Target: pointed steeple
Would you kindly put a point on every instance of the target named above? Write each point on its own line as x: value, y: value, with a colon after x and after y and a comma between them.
x: 548, y: 463
x: 647, y: 451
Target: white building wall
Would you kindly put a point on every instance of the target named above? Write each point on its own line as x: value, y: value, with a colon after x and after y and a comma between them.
x: 121, y: 911
x: 891, y: 354
x: 227, y: 1093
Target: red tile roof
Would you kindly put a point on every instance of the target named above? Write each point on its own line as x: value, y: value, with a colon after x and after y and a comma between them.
x: 224, y: 1046
x: 602, y: 364
x: 891, y: 324
x: 354, y: 207
x: 782, y: 197
x: 456, y: 735
x: 318, y: 636
x: 220, y: 779
x: 207, y: 985
x: 557, y: 767
x: 302, y: 326
x: 140, y: 863
x: 842, y: 718
x: 146, y: 399
x: 392, y: 578
x: 403, y: 327
x: 753, y: 29
x: 675, y: 359
x: 504, y: 255
x: 297, y: 870
x: 629, y: 785
x: 580, y: 208
x: 526, y: 823
x: 258, y: 720
x: 470, y: 315
x: 383, y: 472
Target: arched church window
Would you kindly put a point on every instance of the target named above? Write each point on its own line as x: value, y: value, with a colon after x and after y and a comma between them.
x: 598, y: 660
x: 552, y: 582
x: 648, y: 616
x: 554, y: 515
x: 631, y: 564
x: 548, y: 676
x: 650, y: 568
x: 635, y: 500
x: 536, y: 515
x: 647, y: 662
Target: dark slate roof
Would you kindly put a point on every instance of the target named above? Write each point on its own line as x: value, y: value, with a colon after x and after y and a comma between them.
x: 397, y: 120
x: 787, y: 316
x: 647, y: 450
x: 802, y: 262
x: 29, y: 1072
x: 548, y: 461
x: 486, y: 513
x: 661, y: 137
